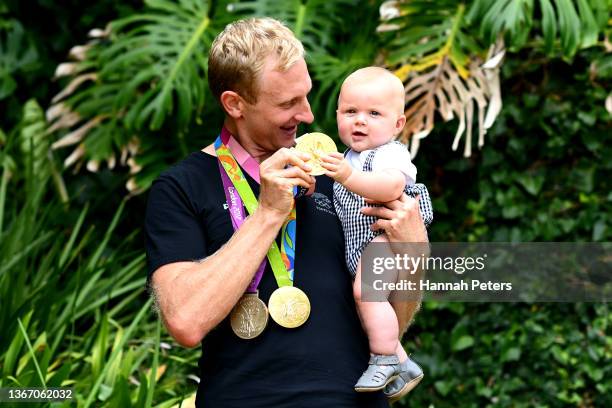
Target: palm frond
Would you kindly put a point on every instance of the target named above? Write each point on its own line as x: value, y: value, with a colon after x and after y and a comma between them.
x: 334, y: 48
x: 576, y: 24
x: 442, y: 89
x: 442, y: 69
x: 314, y: 22
x: 142, y: 73
x: 438, y: 49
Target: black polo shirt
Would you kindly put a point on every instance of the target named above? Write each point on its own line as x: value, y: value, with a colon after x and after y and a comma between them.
x: 315, y: 365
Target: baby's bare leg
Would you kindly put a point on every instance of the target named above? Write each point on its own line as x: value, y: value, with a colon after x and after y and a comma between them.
x: 407, y: 309
x: 378, y: 318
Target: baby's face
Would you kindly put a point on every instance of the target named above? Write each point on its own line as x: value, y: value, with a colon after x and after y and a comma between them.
x: 368, y: 114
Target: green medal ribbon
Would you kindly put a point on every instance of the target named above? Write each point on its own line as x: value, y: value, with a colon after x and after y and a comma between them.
x: 282, y: 269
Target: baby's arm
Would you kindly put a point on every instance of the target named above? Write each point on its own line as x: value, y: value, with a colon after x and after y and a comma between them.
x: 384, y: 185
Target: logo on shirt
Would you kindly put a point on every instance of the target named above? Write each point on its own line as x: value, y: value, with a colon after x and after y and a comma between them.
x: 322, y: 203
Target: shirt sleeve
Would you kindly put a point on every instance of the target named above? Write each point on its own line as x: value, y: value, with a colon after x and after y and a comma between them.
x: 172, y: 230
x: 395, y: 156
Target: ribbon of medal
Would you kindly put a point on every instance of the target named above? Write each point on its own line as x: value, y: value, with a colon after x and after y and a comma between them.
x: 288, y: 305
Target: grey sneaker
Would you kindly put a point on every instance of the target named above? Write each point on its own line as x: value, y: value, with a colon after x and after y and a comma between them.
x: 409, y: 376
x: 381, y: 370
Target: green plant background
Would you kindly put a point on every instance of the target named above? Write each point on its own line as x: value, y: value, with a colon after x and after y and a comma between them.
x: 73, y: 309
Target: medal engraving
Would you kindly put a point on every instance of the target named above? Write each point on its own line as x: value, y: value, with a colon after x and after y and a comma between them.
x: 289, y: 307
x: 315, y: 144
x: 249, y: 317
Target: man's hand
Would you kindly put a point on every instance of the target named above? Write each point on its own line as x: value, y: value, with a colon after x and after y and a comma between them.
x: 400, y: 219
x: 337, y: 167
x: 278, y: 180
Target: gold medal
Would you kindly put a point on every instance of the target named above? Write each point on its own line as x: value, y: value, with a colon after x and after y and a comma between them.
x: 315, y: 144
x: 249, y: 317
x: 289, y: 306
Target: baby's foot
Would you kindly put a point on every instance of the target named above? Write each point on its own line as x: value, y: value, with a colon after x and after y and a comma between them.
x: 409, y: 376
x: 381, y: 370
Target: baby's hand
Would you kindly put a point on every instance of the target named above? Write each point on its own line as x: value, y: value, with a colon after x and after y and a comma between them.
x: 337, y: 167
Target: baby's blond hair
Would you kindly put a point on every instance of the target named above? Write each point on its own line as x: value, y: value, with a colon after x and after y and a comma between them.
x: 238, y: 54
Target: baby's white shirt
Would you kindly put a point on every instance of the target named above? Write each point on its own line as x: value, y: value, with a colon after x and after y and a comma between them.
x: 388, y: 156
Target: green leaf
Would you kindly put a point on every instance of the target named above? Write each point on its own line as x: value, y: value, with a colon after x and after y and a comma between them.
x: 18, y: 53
x: 583, y: 177
x: 599, y: 230
x: 510, y: 17
x: 462, y: 343
x: 7, y: 86
x: 75, y: 231
x: 531, y: 182
x: 32, y: 354
x: 511, y: 354
x: 150, y: 72
x: 98, y: 357
x: 152, y: 381
x: 569, y: 27
x: 178, y: 69
x: 120, y: 394
x: 15, y: 347
x: 128, y: 334
x: 549, y: 25
x: 589, y: 27
x: 60, y: 375
x: 443, y: 387
x: 589, y: 118
x: 105, y: 392
x: 601, y: 10
x: 596, y: 374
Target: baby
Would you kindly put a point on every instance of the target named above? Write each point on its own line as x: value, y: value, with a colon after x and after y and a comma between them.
x: 370, y: 114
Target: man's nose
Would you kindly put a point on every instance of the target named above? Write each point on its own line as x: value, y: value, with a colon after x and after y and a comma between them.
x: 305, y: 114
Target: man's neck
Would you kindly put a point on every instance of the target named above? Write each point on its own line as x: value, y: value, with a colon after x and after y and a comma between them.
x: 254, y: 150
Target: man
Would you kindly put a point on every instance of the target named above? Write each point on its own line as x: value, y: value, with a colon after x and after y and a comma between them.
x: 200, y: 267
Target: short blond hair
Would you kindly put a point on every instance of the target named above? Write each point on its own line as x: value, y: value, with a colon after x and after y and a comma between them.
x: 238, y: 54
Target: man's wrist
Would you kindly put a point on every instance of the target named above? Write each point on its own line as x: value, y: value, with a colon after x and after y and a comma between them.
x: 269, y: 217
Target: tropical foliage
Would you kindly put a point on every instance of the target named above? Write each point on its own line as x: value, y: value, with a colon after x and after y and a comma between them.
x: 442, y: 53
x: 73, y: 309
x: 543, y: 176
x: 144, y: 75
x: 534, y: 76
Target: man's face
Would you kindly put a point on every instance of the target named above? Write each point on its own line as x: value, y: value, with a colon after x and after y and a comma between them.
x: 271, y: 123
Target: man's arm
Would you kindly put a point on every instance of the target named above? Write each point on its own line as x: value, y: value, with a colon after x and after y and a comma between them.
x: 383, y: 186
x: 194, y: 297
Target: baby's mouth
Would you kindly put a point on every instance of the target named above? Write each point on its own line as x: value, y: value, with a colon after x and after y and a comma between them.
x: 359, y: 134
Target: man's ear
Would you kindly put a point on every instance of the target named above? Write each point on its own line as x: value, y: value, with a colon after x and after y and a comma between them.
x: 232, y: 104
x: 399, y: 124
